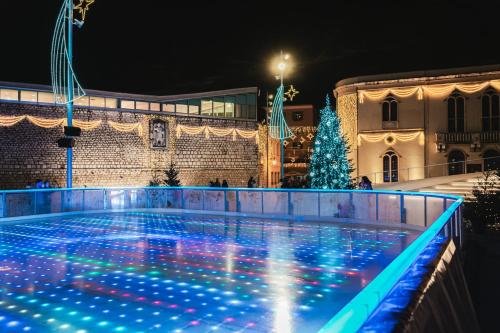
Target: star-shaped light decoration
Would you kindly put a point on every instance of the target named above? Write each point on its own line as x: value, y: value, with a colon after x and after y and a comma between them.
x: 83, y: 7
x: 292, y: 92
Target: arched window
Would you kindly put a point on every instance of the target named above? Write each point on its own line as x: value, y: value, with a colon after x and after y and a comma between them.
x: 456, y: 113
x: 490, y: 111
x: 391, y: 165
x: 390, y: 109
x: 491, y: 160
x: 456, y: 162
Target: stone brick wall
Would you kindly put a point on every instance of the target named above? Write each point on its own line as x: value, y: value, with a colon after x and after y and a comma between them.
x: 107, y: 157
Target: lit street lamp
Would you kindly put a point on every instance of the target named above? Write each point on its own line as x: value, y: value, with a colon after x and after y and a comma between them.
x: 278, y: 128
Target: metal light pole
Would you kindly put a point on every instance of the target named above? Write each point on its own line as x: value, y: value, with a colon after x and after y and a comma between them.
x: 65, y: 85
x: 278, y: 127
x: 282, y: 67
x: 69, y: 105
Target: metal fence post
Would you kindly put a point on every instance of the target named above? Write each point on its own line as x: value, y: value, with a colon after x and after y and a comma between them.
x: 36, y: 202
x: 425, y: 211
x: 182, y: 199
x: 83, y: 199
x: 4, y: 205
x: 238, y: 208
x: 402, y: 208
x: 290, y: 205
x: 319, y: 204
x: 376, y: 207
x: 226, y: 204
x: 262, y: 201
x: 105, y: 199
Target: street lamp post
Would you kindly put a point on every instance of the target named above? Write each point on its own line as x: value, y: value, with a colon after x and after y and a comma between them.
x: 69, y: 105
x: 278, y: 127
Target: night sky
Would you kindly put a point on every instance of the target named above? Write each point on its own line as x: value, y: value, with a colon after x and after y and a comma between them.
x: 161, y: 47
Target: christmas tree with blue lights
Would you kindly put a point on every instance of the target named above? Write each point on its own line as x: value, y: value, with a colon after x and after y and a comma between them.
x: 330, y: 168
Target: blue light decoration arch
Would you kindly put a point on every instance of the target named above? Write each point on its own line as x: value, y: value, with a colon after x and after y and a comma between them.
x: 278, y: 128
x: 65, y: 84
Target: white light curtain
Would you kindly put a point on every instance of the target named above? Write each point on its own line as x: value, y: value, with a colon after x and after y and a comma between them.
x: 431, y: 90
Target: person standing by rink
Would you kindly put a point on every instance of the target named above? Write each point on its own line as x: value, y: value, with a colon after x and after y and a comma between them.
x: 365, y: 184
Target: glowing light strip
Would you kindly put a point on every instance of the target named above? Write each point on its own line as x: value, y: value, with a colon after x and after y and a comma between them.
x: 127, y: 127
x: 60, y: 61
x: 207, y: 130
x: 278, y: 128
x: 403, y: 137
x: 6, y: 121
x: 431, y: 90
x: 353, y: 315
x: 44, y: 122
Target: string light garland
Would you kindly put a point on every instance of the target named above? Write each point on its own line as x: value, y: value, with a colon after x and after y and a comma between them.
x: 6, y: 121
x: 207, y: 130
x: 392, y: 138
x: 127, y: 127
x: 431, y: 90
x: 46, y: 123
x: 85, y: 125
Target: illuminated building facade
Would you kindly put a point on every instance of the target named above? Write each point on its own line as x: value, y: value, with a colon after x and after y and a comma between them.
x: 128, y: 139
x: 298, y: 149
x: 415, y: 125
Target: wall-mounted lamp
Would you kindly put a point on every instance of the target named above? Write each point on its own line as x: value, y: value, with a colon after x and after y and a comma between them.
x: 441, y: 147
x: 475, y: 146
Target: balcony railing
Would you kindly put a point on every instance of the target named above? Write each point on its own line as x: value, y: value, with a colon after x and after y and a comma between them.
x: 431, y: 170
x: 490, y: 137
x: 468, y: 137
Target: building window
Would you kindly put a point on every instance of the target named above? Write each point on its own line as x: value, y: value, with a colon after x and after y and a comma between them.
x: 206, y: 107
x: 181, y: 107
x: 391, y: 166
x: 29, y: 96
x: 169, y: 107
x: 46, y: 98
x: 9, y: 94
x: 194, y: 106
x: 218, y: 106
x: 111, y: 103
x: 127, y: 104
x: 229, y: 103
x: 298, y: 116
x: 390, y: 109
x: 456, y: 113
x: 97, y: 102
x: 154, y: 106
x: 490, y: 111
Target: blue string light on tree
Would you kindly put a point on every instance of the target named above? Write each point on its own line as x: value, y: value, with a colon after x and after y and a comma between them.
x: 330, y: 167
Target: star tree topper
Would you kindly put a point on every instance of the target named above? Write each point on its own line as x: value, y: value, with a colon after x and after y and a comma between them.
x: 83, y: 7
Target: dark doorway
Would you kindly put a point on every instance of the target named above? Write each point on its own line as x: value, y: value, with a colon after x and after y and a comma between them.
x: 456, y: 160
x: 491, y: 160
